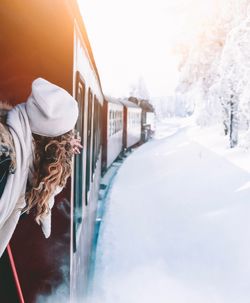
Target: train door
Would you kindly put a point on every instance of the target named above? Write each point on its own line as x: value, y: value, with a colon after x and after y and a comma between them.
x: 79, y: 197
x: 89, y: 135
x: 104, y: 128
x: 125, y: 127
x: 95, y: 136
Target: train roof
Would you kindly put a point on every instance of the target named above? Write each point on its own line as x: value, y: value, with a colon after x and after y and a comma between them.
x: 143, y: 103
x: 123, y: 102
x: 76, y: 13
x: 44, y: 49
x: 129, y: 104
x: 113, y: 100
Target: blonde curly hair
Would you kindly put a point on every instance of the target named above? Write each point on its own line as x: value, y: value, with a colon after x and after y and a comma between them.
x: 52, y: 167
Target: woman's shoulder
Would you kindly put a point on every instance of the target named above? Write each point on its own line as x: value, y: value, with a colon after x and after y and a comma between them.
x: 4, y: 109
x: 7, y: 149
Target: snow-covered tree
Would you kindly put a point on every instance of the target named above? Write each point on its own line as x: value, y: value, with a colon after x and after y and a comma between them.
x: 215, y: 70
x: 139, y: 90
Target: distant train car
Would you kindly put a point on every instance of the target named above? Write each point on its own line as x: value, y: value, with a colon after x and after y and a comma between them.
x: 148, y: 126
x: 45, y: 38
x: 147, y: 119
x: 112, y: 131
x: 150, y: 120
x: 132, y: 124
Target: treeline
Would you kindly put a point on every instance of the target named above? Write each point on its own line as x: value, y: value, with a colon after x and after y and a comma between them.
x: 215, y: 72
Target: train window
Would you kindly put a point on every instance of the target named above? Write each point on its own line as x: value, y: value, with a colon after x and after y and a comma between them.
x: 120, y: 119
x: 100, y: 126
x: 78, y: 163
x: 93, y: 138
x: 96, y: 132
x: 110, y: 122
x: 88, y: 151
x: 97, y: 129
x: 117, y: 121
x: 94, y: 141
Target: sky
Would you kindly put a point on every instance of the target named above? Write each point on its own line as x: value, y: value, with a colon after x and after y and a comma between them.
x: 135, y: 39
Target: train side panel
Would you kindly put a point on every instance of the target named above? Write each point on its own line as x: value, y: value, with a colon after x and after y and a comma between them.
x: 114, y: 131
x: 132, y: 124
x: 86, y: 181
x: 36, y: 46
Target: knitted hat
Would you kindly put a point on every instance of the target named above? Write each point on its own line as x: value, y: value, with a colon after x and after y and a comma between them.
x: 52, y: 111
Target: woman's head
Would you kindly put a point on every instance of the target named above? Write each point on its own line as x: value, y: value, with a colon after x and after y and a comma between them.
x: 52, y: 113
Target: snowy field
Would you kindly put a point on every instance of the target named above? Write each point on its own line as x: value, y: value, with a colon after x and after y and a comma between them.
x: 177, y: 226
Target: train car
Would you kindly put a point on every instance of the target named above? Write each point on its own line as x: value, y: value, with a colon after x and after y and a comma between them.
x: 45, y: 38
x: 132, y: 124
x: 147, y: 119
x: 150, y: 120
x: 112, y: 131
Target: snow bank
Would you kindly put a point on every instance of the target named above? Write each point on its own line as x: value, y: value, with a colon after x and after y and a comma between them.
x: 177, y: 225
x: 214, y: 139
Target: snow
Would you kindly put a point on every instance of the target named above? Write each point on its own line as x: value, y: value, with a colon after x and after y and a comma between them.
x: 177, y: 224
x: 214, y: 139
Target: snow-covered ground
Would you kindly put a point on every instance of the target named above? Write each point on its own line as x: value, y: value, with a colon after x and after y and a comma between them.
x: 177, y: 226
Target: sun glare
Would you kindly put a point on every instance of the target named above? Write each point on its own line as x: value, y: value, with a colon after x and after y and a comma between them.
x: 132, y: 39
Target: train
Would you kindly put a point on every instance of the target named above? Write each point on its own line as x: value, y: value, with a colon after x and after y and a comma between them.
x: 48, y: 39
x: 127, y: 122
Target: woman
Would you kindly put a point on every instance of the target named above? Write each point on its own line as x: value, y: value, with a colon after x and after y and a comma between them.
x: 42, y: 134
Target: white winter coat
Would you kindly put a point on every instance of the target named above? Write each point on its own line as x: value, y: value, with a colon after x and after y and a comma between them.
x: 13, y: 198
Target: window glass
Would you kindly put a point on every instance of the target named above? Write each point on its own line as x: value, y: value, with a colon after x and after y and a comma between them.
x: 78, y: 161
x: 89, y: 147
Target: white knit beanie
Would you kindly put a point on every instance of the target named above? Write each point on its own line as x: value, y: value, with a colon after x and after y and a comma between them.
x: 52, y: 111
